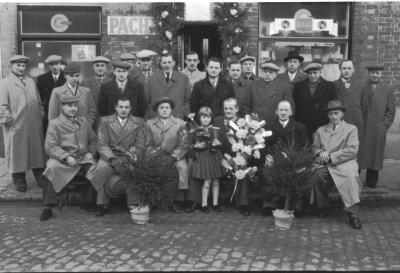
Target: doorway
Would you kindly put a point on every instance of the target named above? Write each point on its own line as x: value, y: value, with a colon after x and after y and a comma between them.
x: 203, y: 39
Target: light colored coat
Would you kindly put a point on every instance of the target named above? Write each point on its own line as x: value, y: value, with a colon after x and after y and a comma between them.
x: 86, y: 106
x: 23, y: 134
x: 113, y: 137
x: 342, y: 145
x: 172, y: 139
x: 63, y: 139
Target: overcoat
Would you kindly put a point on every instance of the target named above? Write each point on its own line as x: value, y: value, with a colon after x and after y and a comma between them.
x: 63, y: 139
x: 285, y: 77
x: 137, y: 74
x: 342, y: 145
x: 379, y: 117
x: 110, y: 93
x: 113, y: 138
x: 86, y: 105
x: 173, y: 139
x: 177, y: 89
x: 242, y: 93
x: 23, y: 135
x: 310, y: 108
x: 264, y: 98
x: 204, y: 95
x: 93, y: 83
x: 294, y: 134
x: 45, y: 84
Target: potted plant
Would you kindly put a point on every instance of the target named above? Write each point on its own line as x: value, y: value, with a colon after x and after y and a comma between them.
x: 152, y: 180
x: 287, y: 176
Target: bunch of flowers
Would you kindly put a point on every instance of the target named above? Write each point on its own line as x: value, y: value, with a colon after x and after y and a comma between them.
x: 247, y: 137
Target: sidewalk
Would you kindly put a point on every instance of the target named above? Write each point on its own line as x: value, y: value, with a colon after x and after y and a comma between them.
x: 388, y: 188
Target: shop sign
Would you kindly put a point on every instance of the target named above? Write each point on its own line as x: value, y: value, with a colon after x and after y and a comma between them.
x: 129, y: 25
x: 304, y: 24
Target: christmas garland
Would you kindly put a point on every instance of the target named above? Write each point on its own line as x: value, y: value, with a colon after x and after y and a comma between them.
x: 232, y: 29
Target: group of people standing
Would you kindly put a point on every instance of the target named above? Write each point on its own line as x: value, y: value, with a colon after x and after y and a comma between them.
x: 90, y: 125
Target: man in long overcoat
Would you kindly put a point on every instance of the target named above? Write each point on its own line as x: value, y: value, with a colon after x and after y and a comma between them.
x: 292, y: 73
x: 48, y: 81
x: 143, y: 73
x: 266, y: 93
x: 211, y: 91
x: 86, y: 105
x: 335, y: 147
x: 21, y: 116
x: 310, y: 98
x: 120, y: 135
x: 379, y: 116
x: 169, y: 83
x: 71, y: 146
x: 121, y: 86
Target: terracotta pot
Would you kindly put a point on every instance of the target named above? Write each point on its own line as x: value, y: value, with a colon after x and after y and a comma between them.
x: 140, y: 214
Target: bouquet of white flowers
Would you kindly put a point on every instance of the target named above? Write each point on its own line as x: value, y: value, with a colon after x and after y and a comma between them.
x: 247, y: 137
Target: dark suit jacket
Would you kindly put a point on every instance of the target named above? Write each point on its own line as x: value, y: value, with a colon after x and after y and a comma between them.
x: 294, y: 134
x: 110, y: 93
x: 285, y: 77
x: 93, y: 84
x: 226, y: 146
x: 242, y: 93
x: 204, y: 95
x: 310, y: 108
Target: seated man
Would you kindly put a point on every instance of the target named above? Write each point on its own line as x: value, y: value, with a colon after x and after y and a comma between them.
x: 71, y: 146
x: 287, y: 132
x: 121, y: 135
x: 335, y: 147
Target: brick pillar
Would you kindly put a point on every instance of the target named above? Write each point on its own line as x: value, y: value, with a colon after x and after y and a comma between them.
x: 8, y: 34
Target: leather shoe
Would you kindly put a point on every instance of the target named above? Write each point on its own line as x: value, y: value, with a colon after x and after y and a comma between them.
x: 101, y: 210
x: 192, y: 208
x: 175, y: 208
x: 267, y: 211
x: 245, y: 210
x: 216, y: 208
x: 355, y: 222
x: 323, y: 213
x: 46, y: 214
x: 205, y: 209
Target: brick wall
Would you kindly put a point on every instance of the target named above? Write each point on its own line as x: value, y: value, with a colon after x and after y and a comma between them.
x: 8, y: 35
x: 252, y: 24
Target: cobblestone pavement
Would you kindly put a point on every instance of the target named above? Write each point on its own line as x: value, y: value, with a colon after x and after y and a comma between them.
x: 76, y: 240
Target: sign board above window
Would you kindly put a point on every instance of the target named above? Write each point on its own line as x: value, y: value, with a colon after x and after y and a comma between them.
x: 129, y: 25
x: 198, y: 11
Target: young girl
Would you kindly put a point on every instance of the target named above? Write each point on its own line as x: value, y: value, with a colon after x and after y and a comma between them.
x: 207, y: 165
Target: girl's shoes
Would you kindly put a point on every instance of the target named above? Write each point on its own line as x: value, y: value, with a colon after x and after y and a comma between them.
x: 216, y: 208
x: 205, y: 209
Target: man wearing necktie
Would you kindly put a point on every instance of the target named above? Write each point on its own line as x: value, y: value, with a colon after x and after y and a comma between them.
x: 293, y: 73
x: 143, y: 73
x: 378, y: 116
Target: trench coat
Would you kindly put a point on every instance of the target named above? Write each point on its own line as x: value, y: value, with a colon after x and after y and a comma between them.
x: 63, y: 139
x: 173, y: 139
x: 342, y: 145
x: 86, y: 105
x: 379, y: 117
x: 113, y: 138
x: 285, y: 77
x: 94, y: 85
x: 177, y: 88
x: 23, y: 135
x: 264, y: 98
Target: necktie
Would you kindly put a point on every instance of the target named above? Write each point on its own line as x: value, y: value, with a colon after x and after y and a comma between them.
x: 123, y: 122
x: 333, y: 127
x: 23, y: 81
x: 167, y: 77
x: 99, y: 80
x: 55, y: 78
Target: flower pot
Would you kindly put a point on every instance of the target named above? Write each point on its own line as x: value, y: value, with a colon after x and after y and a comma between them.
x: 283, y: 218
x: 140, y: 214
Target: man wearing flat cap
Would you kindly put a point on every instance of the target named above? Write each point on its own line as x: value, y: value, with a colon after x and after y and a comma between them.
x: 310, y: 97
x: 128, y: 58
x: 21, y: 116
x: 86, y: 105
x: 248, y: 65
x: 335, y: 148
x: 143, y: 73
x: 122, y: 86
x: 71, y: 146
x: 379, y: 115
x: 48, y: 81
x: 293, y: 73
x: 266, y: 93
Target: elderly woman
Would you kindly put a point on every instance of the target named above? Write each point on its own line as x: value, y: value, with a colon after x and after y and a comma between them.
x: 169, y: 134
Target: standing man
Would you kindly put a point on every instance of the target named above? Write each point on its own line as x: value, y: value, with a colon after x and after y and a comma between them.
x: 194, y: 75
x: 93, y: 82
x: 351, y: 92
x: 292, y: 74
x: 379, y: 116
x: 128, y: 58
x: 143, y: 73
x: 211, y: 91
x: 86, y: 105
x: 71, y: 146
x: 48, y: 81
x: 172, y: 84
x: 248, y: 64
x: 266, y: 93
x: 21, y: 116
x: 121, y: 86
x: 311, y: 97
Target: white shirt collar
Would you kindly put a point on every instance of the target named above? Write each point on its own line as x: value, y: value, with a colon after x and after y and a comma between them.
x: 121, y: 84
x: 292, y: 75
x: 121, y: 121
x: 70, y: 86
x: 283, y: 123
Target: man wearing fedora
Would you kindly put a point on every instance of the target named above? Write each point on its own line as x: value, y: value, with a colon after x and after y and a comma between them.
x: 293, y: 73
x: 143, y: 73
x: 46, y: 82
x: 86, y: 105
x: 71, y: 146
x: 248, y: 63
x: 266, y: 93
x: 21, y: 116
x: 310, y: 97
x: 335, y: 148
x: 379, y: 115
x: 122, y: 86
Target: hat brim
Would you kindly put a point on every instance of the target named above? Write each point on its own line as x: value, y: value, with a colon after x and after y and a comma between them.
x: 248, y: 59
x: 301, y: 59
x: 157, y: 103
x: 335, y: 108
